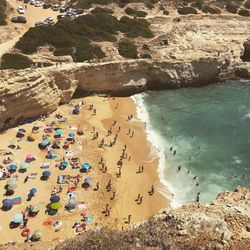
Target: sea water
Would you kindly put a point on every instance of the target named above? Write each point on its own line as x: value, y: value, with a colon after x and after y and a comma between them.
x: 209, y: 128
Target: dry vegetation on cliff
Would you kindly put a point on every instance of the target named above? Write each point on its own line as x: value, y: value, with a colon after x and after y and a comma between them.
x: 224, y: 224
x: 3, y: 7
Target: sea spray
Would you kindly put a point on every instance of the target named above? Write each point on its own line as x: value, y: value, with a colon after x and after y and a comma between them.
x: 157, y: 147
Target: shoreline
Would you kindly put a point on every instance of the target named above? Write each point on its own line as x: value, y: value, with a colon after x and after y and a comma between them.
x: 143, y: 116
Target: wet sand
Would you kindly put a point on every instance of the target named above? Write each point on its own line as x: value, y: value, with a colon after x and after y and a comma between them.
x: 127, y: 187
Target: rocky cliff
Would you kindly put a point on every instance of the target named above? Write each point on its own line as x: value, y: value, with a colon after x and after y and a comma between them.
x: 223, y: 224
x: 192, y: 51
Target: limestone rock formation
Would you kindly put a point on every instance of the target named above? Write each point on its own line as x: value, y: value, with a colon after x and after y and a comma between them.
x: 223, y: 224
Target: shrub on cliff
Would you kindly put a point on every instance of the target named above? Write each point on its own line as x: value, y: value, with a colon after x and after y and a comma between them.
x: 15, y: 61
x: 247, y: 4
x: 99, y: 10
x: 244, y: 12
x: 165, y: 12
x: 197, y: 4
x: 68, y: 37
x: 137, y: 13
x: 3, y: 6
x: 211, y: 10
x: 232, y: 8
x: 187, y: 11
x: 127, y: 49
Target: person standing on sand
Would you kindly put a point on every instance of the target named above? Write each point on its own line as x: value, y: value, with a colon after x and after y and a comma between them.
x: 140, y: 200
x: 132, y: 135
x: 138, y: 197
x: 113, y: 196
x: 129, y: 218
x: 97, y: 186
x: 152, y: 191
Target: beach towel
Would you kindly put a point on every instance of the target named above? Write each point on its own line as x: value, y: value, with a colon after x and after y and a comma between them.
x: 17, y: 202
x: 47, y: 223
x: 71, y: 189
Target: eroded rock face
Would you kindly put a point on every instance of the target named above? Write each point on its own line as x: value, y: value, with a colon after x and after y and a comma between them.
x: 223, y: 224
x: 196, y: 51
x: 31, y: 93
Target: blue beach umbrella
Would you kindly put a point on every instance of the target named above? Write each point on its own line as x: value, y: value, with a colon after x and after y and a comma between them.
x: 54, y: 199
x: 89, y: 218
x: 44, y: 143
x: 71, y: 135
x: 64, y: 164
x: 88, y: 180
x: 46, y: 174
x: 12, y: 167
x: 85, y: 165
x: 17, y: 218
x: 33, y: 191
x: 7, y: 203
x: 59, y: 131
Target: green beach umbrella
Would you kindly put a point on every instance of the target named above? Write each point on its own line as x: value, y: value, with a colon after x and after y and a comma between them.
x: 36, y: 235
x: 11, y: 181
x: 12, y: 186
x: 24, y: 166
x: 35, y: 208
x: 55, y: 205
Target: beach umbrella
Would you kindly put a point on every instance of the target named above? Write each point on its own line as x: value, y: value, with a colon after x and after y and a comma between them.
x: 51, y: 152
x: 11, y: 181
x: 30, y: 157
x: 64, y: 164
x: 35, y: 208
x: 12, y: 186
x: 54, y: 198
x: 17, y: 218
x: 55, y: 205
x: 46, y: 174
x: 73, y: 201
x: 24, y: 166
x: 71, y: 135
x: 13, y: 167
x: 7, y: 203
x: 85, y: 165
x: 44, y: 143
x: 88, y: 180
x: 89, y: 218
x: 33, y: 191
x: 59, y: 131
x: 36, y: 235
x: 22, y: 130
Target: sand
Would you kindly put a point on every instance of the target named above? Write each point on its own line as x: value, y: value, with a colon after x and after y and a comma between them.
x: 126, y: 187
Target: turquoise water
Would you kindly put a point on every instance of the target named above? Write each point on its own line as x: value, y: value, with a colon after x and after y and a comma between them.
x: 209, y: 128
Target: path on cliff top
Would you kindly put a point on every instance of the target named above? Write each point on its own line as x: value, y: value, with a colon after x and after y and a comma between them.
x: 33, y: 15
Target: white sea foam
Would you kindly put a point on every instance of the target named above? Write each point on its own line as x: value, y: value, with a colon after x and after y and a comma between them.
x: 158, y: 146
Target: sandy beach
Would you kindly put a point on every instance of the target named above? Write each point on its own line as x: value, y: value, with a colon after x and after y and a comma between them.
x: 119, y: 198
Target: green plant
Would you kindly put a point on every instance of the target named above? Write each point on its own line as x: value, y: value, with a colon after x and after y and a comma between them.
x: 247, y: 4
x: 165, y: 12
x: 232, y: 8
x: 197, y: 4
x: 3, y: 6
x: 127, y: 49
x: 211, y: 10
x: 15, y: 61
x: 187, y: 11
x: 133, y: 12
x: 99, y: 10
x: 244, y: 12
x: 145, y: 47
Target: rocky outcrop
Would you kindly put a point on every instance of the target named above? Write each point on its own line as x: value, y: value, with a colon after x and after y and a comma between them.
x: 195, y: 51
x: 30, y: 93
x: 223, y: 224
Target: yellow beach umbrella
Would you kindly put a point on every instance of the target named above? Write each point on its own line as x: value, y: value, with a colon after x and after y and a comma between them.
x: 55, y: 205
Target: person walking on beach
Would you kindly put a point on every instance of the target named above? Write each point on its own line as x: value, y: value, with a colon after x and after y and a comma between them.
x: 129, y: 131
x: 140, y: 200
x: 129, y: 218
x: 132, y: 135
x: 152, y: 191
x: 138, y: 197
x: 97, y: 186
x: 113, y: 196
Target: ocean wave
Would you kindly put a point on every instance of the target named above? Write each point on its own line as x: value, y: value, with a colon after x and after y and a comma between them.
x: 158, y: 145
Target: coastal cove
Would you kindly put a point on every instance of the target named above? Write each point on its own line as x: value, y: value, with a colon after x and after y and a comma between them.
x: 209, y: 129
